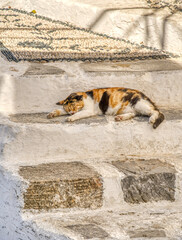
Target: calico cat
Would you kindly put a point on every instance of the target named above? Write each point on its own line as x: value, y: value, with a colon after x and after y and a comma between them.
x: 123, y: 103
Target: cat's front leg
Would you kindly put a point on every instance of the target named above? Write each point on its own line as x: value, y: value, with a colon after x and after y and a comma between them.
x: 80, y: 115
x: 56, y: 113
x: 125, y: 116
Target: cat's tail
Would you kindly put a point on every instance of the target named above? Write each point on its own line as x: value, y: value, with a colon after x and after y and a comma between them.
x: 156, y: 118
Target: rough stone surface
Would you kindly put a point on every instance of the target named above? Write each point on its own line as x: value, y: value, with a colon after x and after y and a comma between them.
x: 40, y: 69
x: 147, y: 233
x: 146, y: 181
x: 52, y: 186
x: 135, y: 66
x: 89, y: 231
x: 142, y: 223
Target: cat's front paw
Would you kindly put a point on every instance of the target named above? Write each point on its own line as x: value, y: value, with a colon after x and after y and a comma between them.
x: 50, y: 115
x: 54, y: 114
x: 70, y: 119
x: 118, y: 118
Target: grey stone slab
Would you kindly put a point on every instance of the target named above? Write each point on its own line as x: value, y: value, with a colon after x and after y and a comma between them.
x: 172, y: 114
x: 147, y: 180
x: 42, y: 118
x: 89, y: 231
x: 54, y: 171
x: 41, y: 69
x: 135, y: 66
x: 147, y: 234
x: 141, y: 167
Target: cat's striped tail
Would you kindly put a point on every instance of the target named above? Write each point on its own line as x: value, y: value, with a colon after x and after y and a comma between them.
x: 156, y: 118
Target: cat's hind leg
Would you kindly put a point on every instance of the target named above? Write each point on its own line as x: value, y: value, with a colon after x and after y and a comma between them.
x: 56, y: 113
x: 146, y: 108
x: 125, y: 116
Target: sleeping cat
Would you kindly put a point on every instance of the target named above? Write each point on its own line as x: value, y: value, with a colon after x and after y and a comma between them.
x: 123, y: 103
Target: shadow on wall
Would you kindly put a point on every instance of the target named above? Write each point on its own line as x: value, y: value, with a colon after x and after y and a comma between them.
x: 161, y: 34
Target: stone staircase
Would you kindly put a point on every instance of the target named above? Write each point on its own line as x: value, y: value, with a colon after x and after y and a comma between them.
x: 94, y: 178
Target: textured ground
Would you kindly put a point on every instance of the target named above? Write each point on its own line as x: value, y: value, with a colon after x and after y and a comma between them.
x: 28, y: 37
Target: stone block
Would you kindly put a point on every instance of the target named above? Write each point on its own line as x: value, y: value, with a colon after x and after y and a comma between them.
x: 147, y: 180
x: 40, y: 69
x: 89, y: 231
x: 62, y: 185
x: 147, y: 234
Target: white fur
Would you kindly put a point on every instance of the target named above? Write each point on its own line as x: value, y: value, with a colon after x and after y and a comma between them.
x: 79, y: 115
x: 87, y: 111
x: 153, y: 117
x: 129, y: 109
x: 144, y: 107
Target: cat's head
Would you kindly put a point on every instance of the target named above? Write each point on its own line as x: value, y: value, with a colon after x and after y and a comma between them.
x: 73, y: 103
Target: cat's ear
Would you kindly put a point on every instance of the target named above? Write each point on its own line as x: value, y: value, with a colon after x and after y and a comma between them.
x: 60, y: 103
x: 79, y: 97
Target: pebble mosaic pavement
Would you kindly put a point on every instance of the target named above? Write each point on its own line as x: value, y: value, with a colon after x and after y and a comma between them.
x: 27, y: 36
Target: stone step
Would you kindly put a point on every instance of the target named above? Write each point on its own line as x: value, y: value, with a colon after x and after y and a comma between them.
x: 79, y: 200
x: 88, y: 186
x: 114, y: 224
x: 33, y: 138
x: 36, y: 87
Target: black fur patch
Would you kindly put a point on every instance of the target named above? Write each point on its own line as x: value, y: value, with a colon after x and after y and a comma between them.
x: 72, y: 95
x: 128, y: 97
x: 123, y: 90
x: 104, y: 102
x: 90, y: 93
x: 103, y: 88
x: 134, y: 100
x: 78, y: 97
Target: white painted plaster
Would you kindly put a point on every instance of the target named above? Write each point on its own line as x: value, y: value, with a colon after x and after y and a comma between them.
x: 40, y: 143
x: 135, y: 26
x: 113, y: 194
